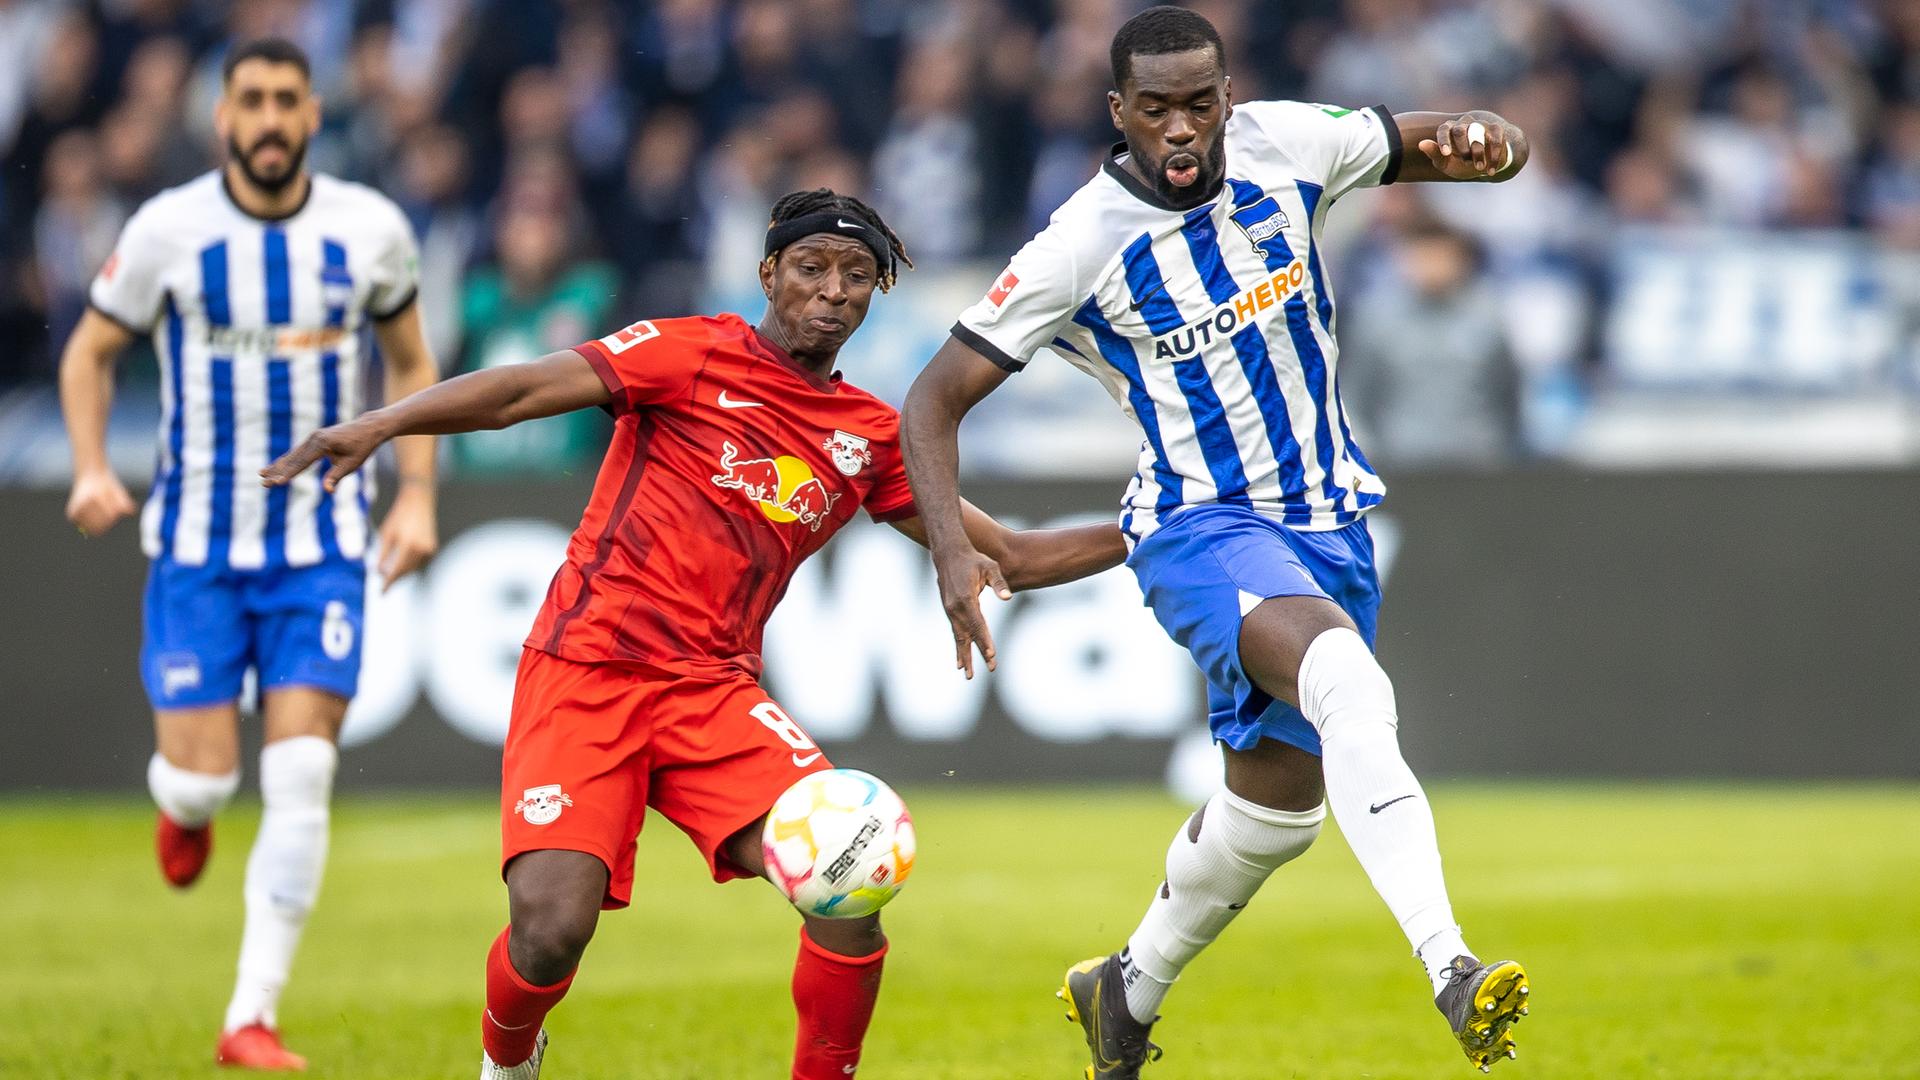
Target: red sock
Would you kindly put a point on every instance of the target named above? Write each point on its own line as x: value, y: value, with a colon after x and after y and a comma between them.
x: 515, y: 1007
x: 834, y: 996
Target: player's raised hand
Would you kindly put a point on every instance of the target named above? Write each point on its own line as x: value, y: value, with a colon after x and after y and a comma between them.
x: 346, y: 446
x: 1469, y: 147
x: 99, y: 500
x: 962, y: 576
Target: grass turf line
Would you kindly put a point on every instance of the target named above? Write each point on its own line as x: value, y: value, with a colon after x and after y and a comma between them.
x: 1671, y: 931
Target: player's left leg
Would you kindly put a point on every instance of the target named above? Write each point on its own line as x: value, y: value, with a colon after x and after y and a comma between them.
x: 732, y: 752
x: 307, y: 652
x: 289, y: 856
x: 1310, y: 653
x: 836, y: 978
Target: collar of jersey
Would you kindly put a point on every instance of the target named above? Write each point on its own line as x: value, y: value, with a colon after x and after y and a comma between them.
x: 227, y: 190
x: 766, y: 345
x: 1144, y: 192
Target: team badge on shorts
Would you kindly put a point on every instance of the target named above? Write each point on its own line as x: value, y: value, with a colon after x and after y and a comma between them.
x: 542, y: 805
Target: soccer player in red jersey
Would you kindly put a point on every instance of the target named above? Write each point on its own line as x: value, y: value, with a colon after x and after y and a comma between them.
x: 737, y: 453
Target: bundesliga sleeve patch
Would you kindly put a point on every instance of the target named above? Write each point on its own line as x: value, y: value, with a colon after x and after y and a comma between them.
x: 1003, y: 288
x: 621, y: 340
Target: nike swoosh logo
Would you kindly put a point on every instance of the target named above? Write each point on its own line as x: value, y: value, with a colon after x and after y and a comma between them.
x: 1236, y: 907
x: 736, y: 404
x: 803, y: 762
x: 1151, y: 293
x: 1382, y: 806
x: 845, y: 224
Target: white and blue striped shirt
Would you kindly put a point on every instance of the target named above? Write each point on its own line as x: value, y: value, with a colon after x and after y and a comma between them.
x: 1213, y: 327
x: 256, y: 325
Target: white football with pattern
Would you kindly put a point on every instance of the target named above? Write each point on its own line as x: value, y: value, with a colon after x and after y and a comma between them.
x: 839, y: 844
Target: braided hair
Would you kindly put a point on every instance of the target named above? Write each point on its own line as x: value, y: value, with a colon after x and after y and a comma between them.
x: 798, y: 204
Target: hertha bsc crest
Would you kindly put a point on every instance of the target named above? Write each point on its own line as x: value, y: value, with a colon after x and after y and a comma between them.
x: 1262, y: 221
x: 542, y: 805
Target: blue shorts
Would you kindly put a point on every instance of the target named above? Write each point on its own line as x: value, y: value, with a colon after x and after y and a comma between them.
x: 1206, y: 568
x: 204, y: 626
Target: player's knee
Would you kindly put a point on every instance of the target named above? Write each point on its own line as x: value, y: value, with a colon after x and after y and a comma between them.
x: 550, y: 935
x: 297, y: 774
x: 1262, y: 837
x: 190, y: 799
x: 553, y: 914
x: 1343, y: 688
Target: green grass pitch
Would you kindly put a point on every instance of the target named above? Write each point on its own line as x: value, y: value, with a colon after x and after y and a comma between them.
x: 1698, y: 932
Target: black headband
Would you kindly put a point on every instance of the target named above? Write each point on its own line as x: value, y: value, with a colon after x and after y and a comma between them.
x: 782, y: 233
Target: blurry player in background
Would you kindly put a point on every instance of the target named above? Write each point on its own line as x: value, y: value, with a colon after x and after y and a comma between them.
x: 737, y: 452
x: 1186, y: 276
x: 255, y: 282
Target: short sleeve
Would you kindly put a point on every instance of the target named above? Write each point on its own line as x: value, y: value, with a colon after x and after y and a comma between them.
x: 643, y: 364
x: 1341, y: 148
x: 890, y: 498
x: 396, y: 273
x: 130, y: 284
x: 1028, y: 305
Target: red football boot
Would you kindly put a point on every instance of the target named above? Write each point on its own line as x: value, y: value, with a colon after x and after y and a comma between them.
x: 183, y: 852
x: 257, y: 1046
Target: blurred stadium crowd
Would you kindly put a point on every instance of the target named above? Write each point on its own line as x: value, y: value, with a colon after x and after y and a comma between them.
x: 570, y: 163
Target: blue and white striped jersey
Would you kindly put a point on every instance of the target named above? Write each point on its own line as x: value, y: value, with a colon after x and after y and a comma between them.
x: 256, y: 325
x: 1212, y: 327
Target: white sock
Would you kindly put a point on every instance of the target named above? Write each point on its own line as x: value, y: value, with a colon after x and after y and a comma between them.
x: 1438, y: 951
x: 190, y: 799
x: 1381, y: 808
x: 283, y: 873
x: 1217, y: 861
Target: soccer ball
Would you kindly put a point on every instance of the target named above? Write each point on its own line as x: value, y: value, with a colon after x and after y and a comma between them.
x: 839, y: 844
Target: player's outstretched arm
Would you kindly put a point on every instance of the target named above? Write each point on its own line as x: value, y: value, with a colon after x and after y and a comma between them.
x: 1032, y: 558
x: 477, y: 401
x: 98, y: 499
x: 953, y: 382
x: 1469, y: 146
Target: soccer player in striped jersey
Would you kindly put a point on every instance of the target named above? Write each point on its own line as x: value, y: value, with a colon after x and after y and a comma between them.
x: 1187, y: 278
x: 255, y: 282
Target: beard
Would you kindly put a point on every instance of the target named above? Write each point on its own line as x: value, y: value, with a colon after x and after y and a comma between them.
x: 272, y: 185
x: 1213, y: 166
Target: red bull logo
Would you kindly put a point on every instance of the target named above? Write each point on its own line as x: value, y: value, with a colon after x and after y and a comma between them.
x: 784, y: 487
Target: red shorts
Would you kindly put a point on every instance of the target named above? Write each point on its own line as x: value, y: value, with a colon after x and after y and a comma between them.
x: 591, y: 746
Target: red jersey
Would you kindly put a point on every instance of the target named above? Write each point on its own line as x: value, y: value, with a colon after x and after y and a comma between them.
x: 729, y: 465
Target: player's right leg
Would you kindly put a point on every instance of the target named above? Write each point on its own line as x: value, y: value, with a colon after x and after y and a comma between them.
x: 193, y: 657
x: 573, y: 796
x: 555, y: 898
x: 192, y: 775
x: 1268, y: 814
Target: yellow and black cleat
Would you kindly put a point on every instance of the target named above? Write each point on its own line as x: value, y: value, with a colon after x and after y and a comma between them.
x: 1096, y: 995
x: 1483, y: 1002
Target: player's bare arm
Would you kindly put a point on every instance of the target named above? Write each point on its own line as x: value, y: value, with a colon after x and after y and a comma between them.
x: 952, y: 383
x: 1022, y: 559
x: 409, y: 535
x: 99, y: 499
x: 477, y: 401
x: 1469, y: 146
